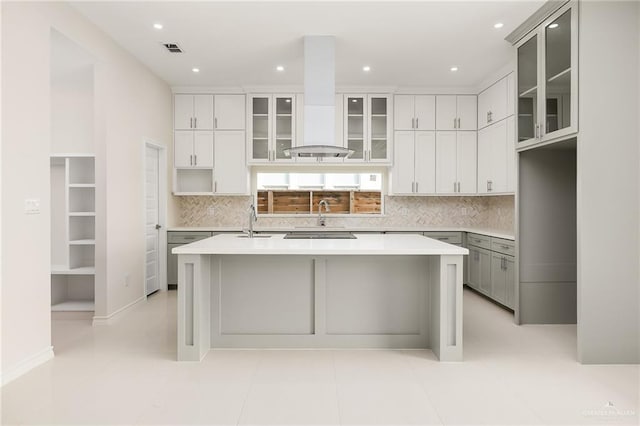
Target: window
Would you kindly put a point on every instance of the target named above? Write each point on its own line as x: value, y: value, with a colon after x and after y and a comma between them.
x: 298, y: 192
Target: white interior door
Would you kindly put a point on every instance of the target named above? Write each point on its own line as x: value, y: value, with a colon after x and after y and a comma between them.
x: 152, y: 215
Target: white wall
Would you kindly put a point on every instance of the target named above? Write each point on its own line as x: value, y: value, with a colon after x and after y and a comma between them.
x: 131, y: 104
x: 608, y: 183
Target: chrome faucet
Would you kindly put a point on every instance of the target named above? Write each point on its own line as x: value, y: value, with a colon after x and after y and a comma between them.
x: 321, y: 218
x: 252, y: 218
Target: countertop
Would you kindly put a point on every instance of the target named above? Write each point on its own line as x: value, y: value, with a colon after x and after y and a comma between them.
x: 364, y: 244
x: 356, y: 229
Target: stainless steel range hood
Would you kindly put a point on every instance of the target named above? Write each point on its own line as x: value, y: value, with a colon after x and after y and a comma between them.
x: 319, y: 101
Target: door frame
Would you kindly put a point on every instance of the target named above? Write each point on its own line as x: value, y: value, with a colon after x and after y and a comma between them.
x: 162, y: 212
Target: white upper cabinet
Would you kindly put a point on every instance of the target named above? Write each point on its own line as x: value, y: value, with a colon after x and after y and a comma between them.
x: 367, y: 127
x: 230, y: 170
x: 494, y: 152
x: 272, y: 127
x: 193, y: 112
x: 547, y: 85
x: 229, y: 112
x: 414, y: 112
x: 193, y: 149
x: 414, y: 163
x: 456, y: 112
x: 456, y: 157
x: 492, y: 103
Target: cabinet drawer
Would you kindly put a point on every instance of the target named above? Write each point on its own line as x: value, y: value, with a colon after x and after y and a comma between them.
x: 184, y: 237
x: 445, y: 237
x: 479, y: 240
x: 503, y: 246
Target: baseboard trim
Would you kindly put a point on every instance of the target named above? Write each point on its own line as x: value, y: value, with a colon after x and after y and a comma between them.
x: 26, y: 365
x: 114, y: 316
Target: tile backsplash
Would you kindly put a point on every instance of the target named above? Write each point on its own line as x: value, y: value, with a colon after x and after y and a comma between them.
x: 494, y: 212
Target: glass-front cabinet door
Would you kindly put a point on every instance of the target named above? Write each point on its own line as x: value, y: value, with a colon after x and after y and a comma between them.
x: 558, y: 73
x: 284, y: 131
x: 528, y: 89
x: 260, y: 128
x: 272, y: 127
x: 378, y: 128
x: 355, y: 126
x: 547, y: 79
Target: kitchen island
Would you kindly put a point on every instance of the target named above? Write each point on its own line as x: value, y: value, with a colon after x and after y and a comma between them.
x: 374, y: 291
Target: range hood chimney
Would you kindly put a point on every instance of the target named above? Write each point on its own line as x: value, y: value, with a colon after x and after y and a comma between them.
x: 319, y: 101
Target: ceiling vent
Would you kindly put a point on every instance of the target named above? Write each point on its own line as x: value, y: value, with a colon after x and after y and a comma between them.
x: 172, y: 47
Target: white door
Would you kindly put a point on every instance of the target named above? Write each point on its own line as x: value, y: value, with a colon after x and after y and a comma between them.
x: 231, y: 174
x: 445, y: 162
x: 402, y: 177
x: 203, y: 149
x: 152, y: 227
x: 467, y: 107
x: 425, y: 148
x: 425, y: 112
x: 466, y: 158
x: 229, y: 112
x: 183, y: 148
x: 446, y: 114
x: 203, y: 112
x: 403, y: 117
x: 183, y: 112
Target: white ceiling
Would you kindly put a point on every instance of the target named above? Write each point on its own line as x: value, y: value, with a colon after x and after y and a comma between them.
x: 238, y: 43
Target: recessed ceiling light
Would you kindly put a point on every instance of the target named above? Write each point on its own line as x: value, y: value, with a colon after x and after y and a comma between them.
x: 453, y: 69
x: 157, y: 26
x: 366, y: 68
x: 279, y: 68
x: 196, y: 70
x: 553, y: 26
x: 498, y: 25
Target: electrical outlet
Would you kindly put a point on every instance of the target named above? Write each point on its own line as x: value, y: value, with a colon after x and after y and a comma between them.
x: 32, y: 206
x: 126, y: 280
x: 211, y: 211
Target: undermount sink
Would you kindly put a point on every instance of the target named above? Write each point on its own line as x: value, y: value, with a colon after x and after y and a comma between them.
x: 254, y: 236
x: 319, y: 236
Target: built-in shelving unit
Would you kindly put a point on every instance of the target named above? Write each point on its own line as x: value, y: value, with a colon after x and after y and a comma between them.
x: 73, y: 213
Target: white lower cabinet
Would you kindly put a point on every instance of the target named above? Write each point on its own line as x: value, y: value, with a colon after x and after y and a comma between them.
x: 414, y: 163
x: 456, y: 158
x: 480, y: 269
x: 503, y: 279
x: 231, y: 176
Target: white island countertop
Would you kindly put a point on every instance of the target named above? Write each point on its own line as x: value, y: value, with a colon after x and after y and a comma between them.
x: 374, y: 244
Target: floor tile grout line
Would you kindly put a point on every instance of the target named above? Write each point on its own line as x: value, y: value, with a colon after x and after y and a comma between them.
x: 335, y: 382
x: 250, y: 387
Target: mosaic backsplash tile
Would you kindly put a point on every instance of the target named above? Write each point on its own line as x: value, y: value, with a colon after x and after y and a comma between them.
x: 495, y: 212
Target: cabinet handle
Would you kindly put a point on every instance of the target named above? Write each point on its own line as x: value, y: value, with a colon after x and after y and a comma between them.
x: 505, y: 247
x: 416, y: 186
x: 417, y: 125
x: 191, y: 160
x: 195, y: 160
x: 487, y: 116
x: 455, y: 123
x: 458, y: 187
x: 489, y: 185
x: 215, y: 123
x: 215, y: 186
x: 195, y: 122
x: 455, y: 186
x: 413, y: 121
x: 191, y: 122
x: 458, y: 122
x: 413, y: 187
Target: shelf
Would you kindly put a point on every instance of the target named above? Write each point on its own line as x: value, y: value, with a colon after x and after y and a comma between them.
x: 284, y: 137
x: 526, y: 92
x: 82, y: 185
x: 355, y: 115
x: 525, y: 115
x: 259, y: 115
x: 82, y: 213
x: 260, y: 139
x: 63, y: 270
x: 74, y: 306
x: 82, y: 242
x: 378, y: 138
x: 559, y: 75
x: 379, y: 115
x: 284, y: 115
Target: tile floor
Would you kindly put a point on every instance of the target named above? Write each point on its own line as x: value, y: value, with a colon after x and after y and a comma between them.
x: 125, y: 374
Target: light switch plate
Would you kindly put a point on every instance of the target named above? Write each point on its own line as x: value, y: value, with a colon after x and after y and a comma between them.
x: 32, y: 206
